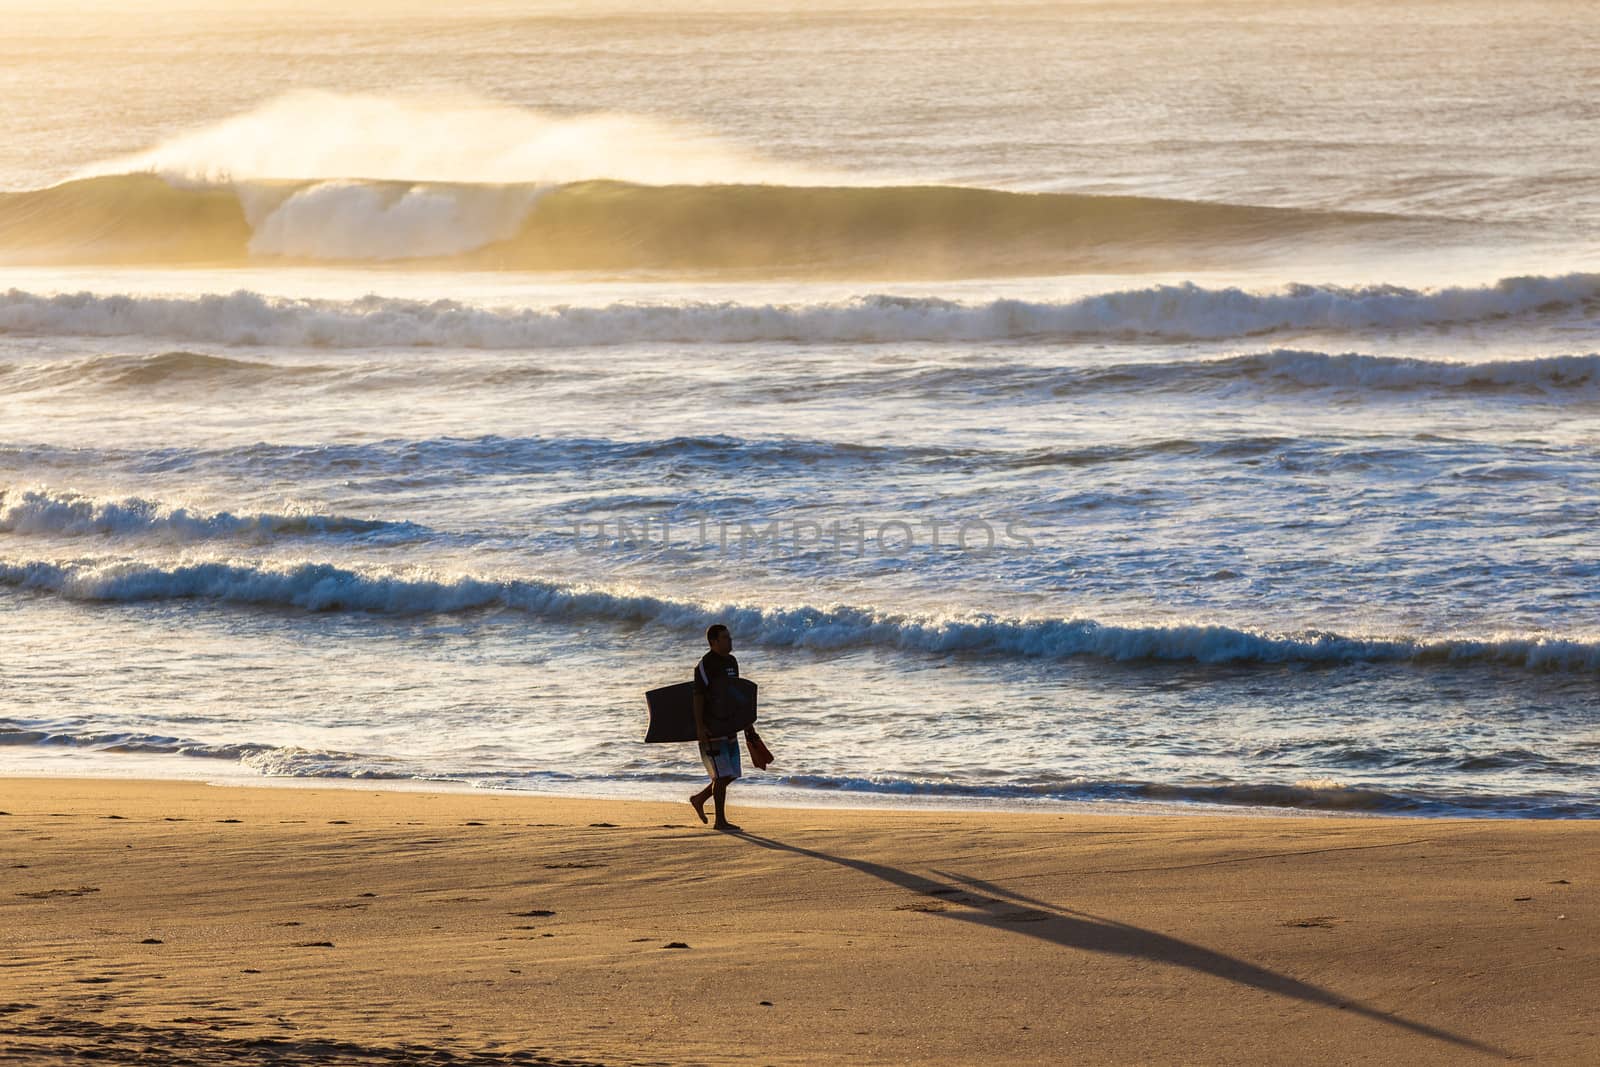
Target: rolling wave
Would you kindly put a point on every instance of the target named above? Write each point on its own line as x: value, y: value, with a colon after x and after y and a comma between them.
x: 846, y: 231
x: 1353, y: 376
x: 147, y: 371
x: 1184, y: 312
x: 411, y: 463
x: 67, y: 514
x: 324, y: 587
x: 607, y: 471
x: 1355, y: 372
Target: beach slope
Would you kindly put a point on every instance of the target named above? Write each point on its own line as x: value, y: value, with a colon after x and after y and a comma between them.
x: 180, y: 923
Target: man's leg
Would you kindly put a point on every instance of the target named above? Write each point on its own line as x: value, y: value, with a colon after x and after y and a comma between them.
x: 700, y: 798
x: 720, y: 791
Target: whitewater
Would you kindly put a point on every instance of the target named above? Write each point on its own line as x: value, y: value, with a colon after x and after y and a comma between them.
x: 1072, y: 425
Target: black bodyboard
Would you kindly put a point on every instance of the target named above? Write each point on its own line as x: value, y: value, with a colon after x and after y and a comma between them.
x: 732, y: 708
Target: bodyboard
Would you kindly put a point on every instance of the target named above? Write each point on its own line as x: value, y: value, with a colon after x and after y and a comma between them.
x: 732, y: 707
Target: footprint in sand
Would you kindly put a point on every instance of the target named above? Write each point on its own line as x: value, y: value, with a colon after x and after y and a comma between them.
x: 1027, y: 916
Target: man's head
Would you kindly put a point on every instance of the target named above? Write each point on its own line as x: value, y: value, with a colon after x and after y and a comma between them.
x: 720, y: 640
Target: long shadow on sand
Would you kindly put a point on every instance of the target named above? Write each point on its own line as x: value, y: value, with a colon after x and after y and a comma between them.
x: 1002, y: 910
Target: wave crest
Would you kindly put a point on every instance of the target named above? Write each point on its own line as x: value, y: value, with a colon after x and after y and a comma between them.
x: 325, y: 587
x: 67, y: 514
x: 859, y: 231
x: 1165, y: 312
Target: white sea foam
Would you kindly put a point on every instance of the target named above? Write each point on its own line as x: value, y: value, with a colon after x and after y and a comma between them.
x: 324, y: 587
x: 42, y: 511
x: 344, y: 220
x: 1170, y: 311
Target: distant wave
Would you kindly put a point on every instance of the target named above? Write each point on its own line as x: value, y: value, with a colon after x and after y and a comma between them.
x: 592, y: 466
x: 147, y: 370
x: 67, y: 514
x: 1351, y: 374
x: 437, y: 459
x: 325, y: 587
x: 143, y: 371
x: 845, y: 231
x: 1165, y: 312
x: 1315, y: 370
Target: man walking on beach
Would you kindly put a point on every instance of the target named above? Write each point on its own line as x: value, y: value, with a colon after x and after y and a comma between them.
x: 719, y: 754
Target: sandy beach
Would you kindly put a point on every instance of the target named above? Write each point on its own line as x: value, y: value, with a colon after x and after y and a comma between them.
x: 162, y: 922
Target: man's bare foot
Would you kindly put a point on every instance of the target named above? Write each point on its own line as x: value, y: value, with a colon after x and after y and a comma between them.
x: 699, y: 804
x: 726, y: 827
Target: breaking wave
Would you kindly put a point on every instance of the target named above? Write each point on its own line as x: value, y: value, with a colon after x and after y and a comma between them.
x: 616, y: 226
x: 67, y: 514
x: 324, y: 587
x: 1163, y: 312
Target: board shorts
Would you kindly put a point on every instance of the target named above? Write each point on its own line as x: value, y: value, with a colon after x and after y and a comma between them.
x: 721, y: 757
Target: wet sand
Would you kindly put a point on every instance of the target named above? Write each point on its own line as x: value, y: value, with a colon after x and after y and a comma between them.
x: 177, y: 923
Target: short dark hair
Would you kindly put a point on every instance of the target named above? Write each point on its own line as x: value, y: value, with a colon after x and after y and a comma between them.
x: 714, y: 631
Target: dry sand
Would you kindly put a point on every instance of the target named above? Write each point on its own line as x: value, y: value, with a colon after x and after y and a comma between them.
x: 175, y: 923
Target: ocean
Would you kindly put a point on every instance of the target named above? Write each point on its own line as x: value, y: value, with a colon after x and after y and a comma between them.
x: 1184, y: 405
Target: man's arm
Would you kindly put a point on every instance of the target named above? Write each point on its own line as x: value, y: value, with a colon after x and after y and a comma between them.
x: 700, y: 716
x: 702, y: 687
